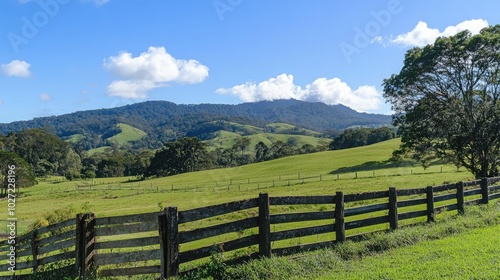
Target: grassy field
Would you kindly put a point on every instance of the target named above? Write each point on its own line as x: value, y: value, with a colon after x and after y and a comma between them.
x: 128, y: 133
x: 268, y: 135
x: 351, y: 171
x: 120, y: 196
x: 226, y: 139
x: 284, y: 127
x: 471, y: 255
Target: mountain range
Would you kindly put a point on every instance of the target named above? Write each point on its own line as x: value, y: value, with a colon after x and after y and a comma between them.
x: 163, y: 121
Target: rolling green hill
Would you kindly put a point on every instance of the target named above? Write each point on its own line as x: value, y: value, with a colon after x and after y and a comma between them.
x: 226, y: 140
x: 128, y: 134
x: 230, y: 132
x: 284, y: 128
x: 165, y: 121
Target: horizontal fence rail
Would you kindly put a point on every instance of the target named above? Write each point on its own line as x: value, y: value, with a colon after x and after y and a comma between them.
x: 172, y: 242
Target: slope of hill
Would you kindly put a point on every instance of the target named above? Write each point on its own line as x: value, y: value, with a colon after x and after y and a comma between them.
x: 128, y: 133
x: 164, y: 121
x: 226, y: 139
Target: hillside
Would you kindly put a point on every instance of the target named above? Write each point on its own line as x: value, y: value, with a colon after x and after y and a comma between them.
x: 164, y: 121
x: 125, y: 195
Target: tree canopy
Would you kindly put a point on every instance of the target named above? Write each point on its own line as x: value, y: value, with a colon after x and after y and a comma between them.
x: 356, y: 137
x: 185, y: 155
x: 446, y: 101
x: 24, y: 173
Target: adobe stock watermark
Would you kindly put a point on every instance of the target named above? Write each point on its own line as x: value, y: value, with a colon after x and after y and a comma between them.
x: 364, y: 36
x: 33, y: 24
x: 223, y: 6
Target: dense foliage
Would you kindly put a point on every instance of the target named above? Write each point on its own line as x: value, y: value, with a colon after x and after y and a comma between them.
x: 446, y: 99
x: 357, y: 137
x: 23, y: 173
x: 44, y: 152
x: 185, y: 155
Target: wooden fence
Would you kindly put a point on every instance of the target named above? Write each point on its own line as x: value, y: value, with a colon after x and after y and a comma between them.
x: 171, y: 242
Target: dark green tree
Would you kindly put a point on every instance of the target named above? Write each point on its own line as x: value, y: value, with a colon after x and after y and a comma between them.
x: 380, y: 134
x: 24, y: 176
x: 241, y: 144
x: 261, y: 152
x: 280, y: 149
x: 351, y: 138
x: 185, y: 155
x: 46, y: 153
x: 446, y: 101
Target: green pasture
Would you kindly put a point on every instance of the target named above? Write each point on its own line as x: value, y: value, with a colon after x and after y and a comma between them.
x: 310, y: 174
x: 128, y: 134
x: 226, y: 140
x: 471, y: 255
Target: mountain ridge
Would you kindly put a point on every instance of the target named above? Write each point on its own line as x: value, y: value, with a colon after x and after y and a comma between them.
x: 165, y: 121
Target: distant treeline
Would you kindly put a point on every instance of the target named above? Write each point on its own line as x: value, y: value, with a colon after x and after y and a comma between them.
x: 357, y: 137
x: 164, y: 121
x: 39, y: 153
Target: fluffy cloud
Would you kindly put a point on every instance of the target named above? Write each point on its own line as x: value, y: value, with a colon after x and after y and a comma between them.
x: 99, y: 2
x: 329, y: 91
x: 152, y: 69
x: 17, y: 68
x: 45, y: 97
x: 422, y: 35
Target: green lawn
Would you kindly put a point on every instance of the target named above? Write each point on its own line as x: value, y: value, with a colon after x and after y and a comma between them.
x: 471, y: 255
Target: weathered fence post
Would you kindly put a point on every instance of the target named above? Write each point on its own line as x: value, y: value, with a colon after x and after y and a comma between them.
x: 264, y: 226
x: 460, y: 198
x: 89, y: 245
x: 430, y: 204
x: 85, y: 245
x: 339, y: 217
x: 484, y: 191
x: 393, y: 208
x: 79, y: 243
x: 169, y: 242
x: 34, y: 249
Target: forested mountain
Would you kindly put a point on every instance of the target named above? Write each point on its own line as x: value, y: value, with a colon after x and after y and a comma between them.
x: 164, y: 121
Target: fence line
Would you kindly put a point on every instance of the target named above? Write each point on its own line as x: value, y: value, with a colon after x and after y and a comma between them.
x: 171, y: 242
x: 141, y: 187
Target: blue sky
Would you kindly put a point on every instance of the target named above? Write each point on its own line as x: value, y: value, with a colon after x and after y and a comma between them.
x: 61, y: 56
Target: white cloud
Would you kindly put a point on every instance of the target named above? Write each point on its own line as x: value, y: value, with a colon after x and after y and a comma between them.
x: 45, y: 97
x: 17, y: 68
x: 1, y: 102
x: 422, y: 35
x: 329, y: 91
x: 152, y: 69
x: 99, y: 2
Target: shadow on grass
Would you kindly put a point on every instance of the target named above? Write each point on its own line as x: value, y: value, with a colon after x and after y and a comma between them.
x: 376, y: 165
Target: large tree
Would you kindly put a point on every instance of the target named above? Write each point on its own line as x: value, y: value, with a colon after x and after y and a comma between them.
x: 185, y: 155
x: 446, y: 101
x: 24, y: 176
